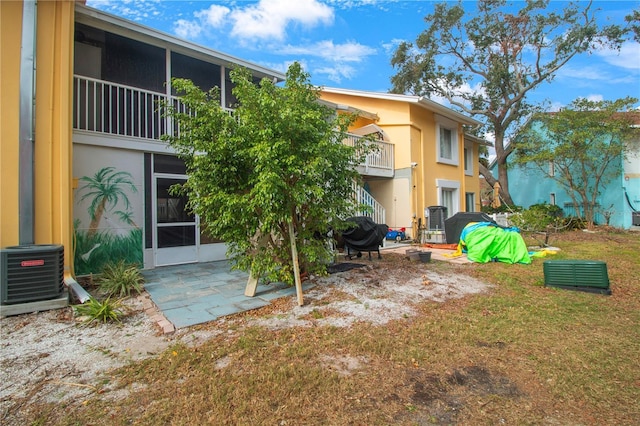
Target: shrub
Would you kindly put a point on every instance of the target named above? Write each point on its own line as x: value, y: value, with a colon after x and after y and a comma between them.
x: 572, y: 223
x: 538, y: 217
x: 96, y: 311
x: 120, y: 279
x: 504, y: 208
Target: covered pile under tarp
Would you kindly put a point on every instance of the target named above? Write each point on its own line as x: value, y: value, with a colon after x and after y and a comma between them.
x: 367, y: 236
x: 486, y: 242
x: 454, y: 225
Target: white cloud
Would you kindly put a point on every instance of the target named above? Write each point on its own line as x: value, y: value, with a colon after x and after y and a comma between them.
x: 628, y: 57
x: 269, y: 19
x: 214, y: 16
x: 583, y: 73
x: 284, y: 66
x: 595, y: 98
x: 335, y: 58
x: 465, y: 89
x: 265, y: 20
x: 337, y: 72
x: 187, y: 29
x: 334, y: 73
x: 346, y: 52
x: 391, y: 46
x: 350, y: 4
x: 135, y: 10
x: 555, y: 106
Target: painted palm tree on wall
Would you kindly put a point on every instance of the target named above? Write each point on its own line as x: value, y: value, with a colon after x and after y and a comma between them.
x: 105, y: 189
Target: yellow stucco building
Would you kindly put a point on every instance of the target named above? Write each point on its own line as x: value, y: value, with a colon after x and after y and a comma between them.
x: 83, y: 165
x: 434, y: 162
x: 36, y: 41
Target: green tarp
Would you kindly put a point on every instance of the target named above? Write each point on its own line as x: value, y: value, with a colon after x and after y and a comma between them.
x: 485, y: 242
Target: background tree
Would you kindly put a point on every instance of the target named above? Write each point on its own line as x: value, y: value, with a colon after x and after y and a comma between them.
x: 586, y: 142
x: 277, y: 161
x: 486, y: 61
x: 633, y: 22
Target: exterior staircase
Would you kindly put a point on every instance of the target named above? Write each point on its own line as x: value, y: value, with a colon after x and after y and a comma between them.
x: 376, y: 212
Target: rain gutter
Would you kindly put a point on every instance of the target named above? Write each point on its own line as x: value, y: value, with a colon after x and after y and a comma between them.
x: 26, y: 187
x: 26, y: 182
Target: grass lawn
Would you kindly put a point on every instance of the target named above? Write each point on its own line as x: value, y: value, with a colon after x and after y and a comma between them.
x: 517, y: 354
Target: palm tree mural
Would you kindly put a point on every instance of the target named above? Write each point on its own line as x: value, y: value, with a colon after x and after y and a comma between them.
x: 126, y: 217
x: 105, y: 189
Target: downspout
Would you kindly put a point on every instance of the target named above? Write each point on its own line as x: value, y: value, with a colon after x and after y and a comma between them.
x: 26, y: 189
x: 26, y: 183
x: 626, y: 194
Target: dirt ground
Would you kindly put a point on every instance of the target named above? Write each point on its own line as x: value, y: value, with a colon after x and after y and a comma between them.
x: 50, y: 356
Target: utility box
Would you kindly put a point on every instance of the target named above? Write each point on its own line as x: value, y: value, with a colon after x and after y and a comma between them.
x: 31, y: 273
x: 582, y: 275
x: 436, y: 216
x: 635, y: 218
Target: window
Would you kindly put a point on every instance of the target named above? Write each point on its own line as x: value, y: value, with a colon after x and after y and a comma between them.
x: 470, y: 202
x: 468, y: 160
x: 447, y: 141
x: 552, y: 169
x: 203, y: 74
x: 448, y: 197
x: 552, y: 198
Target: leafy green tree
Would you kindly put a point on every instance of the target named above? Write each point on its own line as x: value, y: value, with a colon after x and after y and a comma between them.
x: 633, y: 21
x: 105, y: 189
x: 276, y: 163
x: 586, y: 143
x: 486, y: 61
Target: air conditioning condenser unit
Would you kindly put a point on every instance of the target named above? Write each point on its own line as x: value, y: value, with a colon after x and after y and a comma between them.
x: 31, y: 273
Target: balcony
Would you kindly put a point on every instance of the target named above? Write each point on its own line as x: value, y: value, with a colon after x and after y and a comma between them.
x: 379, y: 162
x: 114, y: 109
x: 105, y: 108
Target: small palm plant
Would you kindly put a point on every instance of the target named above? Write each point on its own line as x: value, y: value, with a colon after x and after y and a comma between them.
x: 96, y: 311
x: 120, y: 279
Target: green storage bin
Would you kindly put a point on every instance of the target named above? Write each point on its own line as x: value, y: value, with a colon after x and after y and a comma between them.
x: 581, y: 275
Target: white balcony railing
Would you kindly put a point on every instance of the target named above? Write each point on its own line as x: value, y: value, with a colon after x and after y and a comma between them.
x: 104, y: 107
x: 115, y: 109
x: 379, y: 162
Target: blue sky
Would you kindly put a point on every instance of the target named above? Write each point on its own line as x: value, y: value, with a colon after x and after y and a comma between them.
x: 349, y: 43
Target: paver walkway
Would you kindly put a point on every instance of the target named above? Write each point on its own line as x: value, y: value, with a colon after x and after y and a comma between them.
x: 202, y: 292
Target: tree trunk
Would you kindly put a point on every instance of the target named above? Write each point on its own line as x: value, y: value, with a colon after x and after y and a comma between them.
x: 589, y: 211
x: 501, y: 163
x: 503, y: 179
x: 296, y: 267
x: 95, y: 220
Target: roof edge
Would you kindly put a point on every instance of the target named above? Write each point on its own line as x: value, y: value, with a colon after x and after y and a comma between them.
x: 419, y: 100
x: 475, y: 139
x: 93, y: 14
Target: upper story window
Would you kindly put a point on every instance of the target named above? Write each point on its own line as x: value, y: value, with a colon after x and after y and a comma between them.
x: 118, y: 59
x: 447, y: 141
x: 203, y: 74
x: 468, y: 160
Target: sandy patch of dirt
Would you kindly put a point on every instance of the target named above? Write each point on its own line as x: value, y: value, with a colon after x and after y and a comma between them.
x: 371, y: 295
x: 49, y: 356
